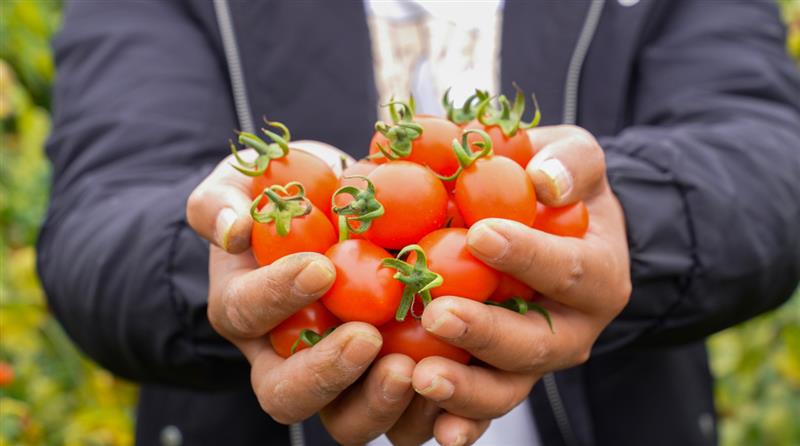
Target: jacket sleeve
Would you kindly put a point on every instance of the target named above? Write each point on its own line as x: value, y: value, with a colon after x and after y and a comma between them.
x: 708, y: 174
x: 142, y: 114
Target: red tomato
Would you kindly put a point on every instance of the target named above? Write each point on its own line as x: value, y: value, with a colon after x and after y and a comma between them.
x: 6, y: 374
x: 311, y: 317
x: 411, y: 339
x: 414, y: 203
x: 566, y: 221
x: 364, y: 289
x: 496, y: 187
x: 434, y: 148
x: 454, y: 217
x: 316, y: 176
x: 463, y: 274
x: 309, y: 233
x: 517, y: 147
x: 509, y: 287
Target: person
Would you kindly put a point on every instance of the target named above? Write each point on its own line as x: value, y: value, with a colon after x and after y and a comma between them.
x: 686, y: 156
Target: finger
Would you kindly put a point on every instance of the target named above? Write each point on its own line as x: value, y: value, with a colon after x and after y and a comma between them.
x: 291, y: 390
x: 246, y: 302
x: 461, y: 389
x: 575, y: 272
x: 507, y: 340
x: 415, y: 426
x: 452, y: 430
x: 370, y: 408
x: 569, y: 167
x: 219, y: 208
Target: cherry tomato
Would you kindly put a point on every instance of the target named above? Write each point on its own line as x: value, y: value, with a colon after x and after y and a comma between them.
x: 319, y: 180
x: 517, y: 147
x: 411, y: 339
x: 454, y: 217
x: 6, y: 374
x: 308, y: 233
x: 566, y: 221
x: 509, y: 287
x: 311, y: 317
x: 495, y: 186
x: 414, y: 203
x: 364, y: 290
x: 463, y: 274
x: 434, y: 148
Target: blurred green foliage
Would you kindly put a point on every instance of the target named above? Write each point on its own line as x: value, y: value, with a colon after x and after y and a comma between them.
x: 51, y: 394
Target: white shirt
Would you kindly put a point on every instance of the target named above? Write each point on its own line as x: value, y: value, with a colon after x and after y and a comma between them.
x: 424, y: 47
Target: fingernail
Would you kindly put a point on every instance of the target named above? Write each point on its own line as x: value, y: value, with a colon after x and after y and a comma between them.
x: 315, y: 277
x: 395, y: 386
x: 487, y: 242
x: 361, y: 348
x: 225, y: 220
x: 440, y: 389
x: 460, y: 440
x: 559, y: 176
x: 447, y: 325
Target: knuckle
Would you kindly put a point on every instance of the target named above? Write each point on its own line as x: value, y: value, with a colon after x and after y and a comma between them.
x: 572, y: 275
x: 280, y: 401
x: 487, y: 339
x: 521, y: 258
x: 325, y: 376
x: 238, y: 319
x: 278, y: 292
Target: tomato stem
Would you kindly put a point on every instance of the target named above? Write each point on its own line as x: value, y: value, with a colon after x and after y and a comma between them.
x: 310, y: 338
x: 418, y: 279
x: 281, y: 210
x: 508, y: 117
x: 465, y: 156
x: 468, y: 111
x: 401, y: 133
x: 363, y: 209
x: 266, y: 151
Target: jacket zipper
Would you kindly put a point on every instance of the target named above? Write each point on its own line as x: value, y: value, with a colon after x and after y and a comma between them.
x: 571, y: 94
x: 244, y: 115
x: 238, y: 86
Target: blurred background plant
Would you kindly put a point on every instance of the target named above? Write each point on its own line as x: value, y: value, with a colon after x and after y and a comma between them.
x: 51, y: 394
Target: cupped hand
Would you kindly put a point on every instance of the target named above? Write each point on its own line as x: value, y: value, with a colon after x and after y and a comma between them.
x: 585, y: 282
x: 246, y: 301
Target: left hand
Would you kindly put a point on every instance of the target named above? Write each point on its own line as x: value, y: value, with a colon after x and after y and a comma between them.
x: 586, y: 283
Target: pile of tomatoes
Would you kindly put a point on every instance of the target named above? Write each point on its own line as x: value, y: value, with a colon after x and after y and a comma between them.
x: 395, y: 224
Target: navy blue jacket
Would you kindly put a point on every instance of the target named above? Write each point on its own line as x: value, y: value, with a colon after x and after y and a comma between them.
x: 695, y: 103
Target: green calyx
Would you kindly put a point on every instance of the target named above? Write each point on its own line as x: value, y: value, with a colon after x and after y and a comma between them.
x: 401, y: 133
x: 418, y: 279
x: 468, y: 111
x: 363, y: 209
x: 266, y: 151
x: 465, y: 156
x: 281, y: 209
x: 310, y: 338
x: 508, y: 117
x: 519, y: 305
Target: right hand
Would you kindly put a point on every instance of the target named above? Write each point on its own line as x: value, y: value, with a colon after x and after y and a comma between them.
x: 246, y: 301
